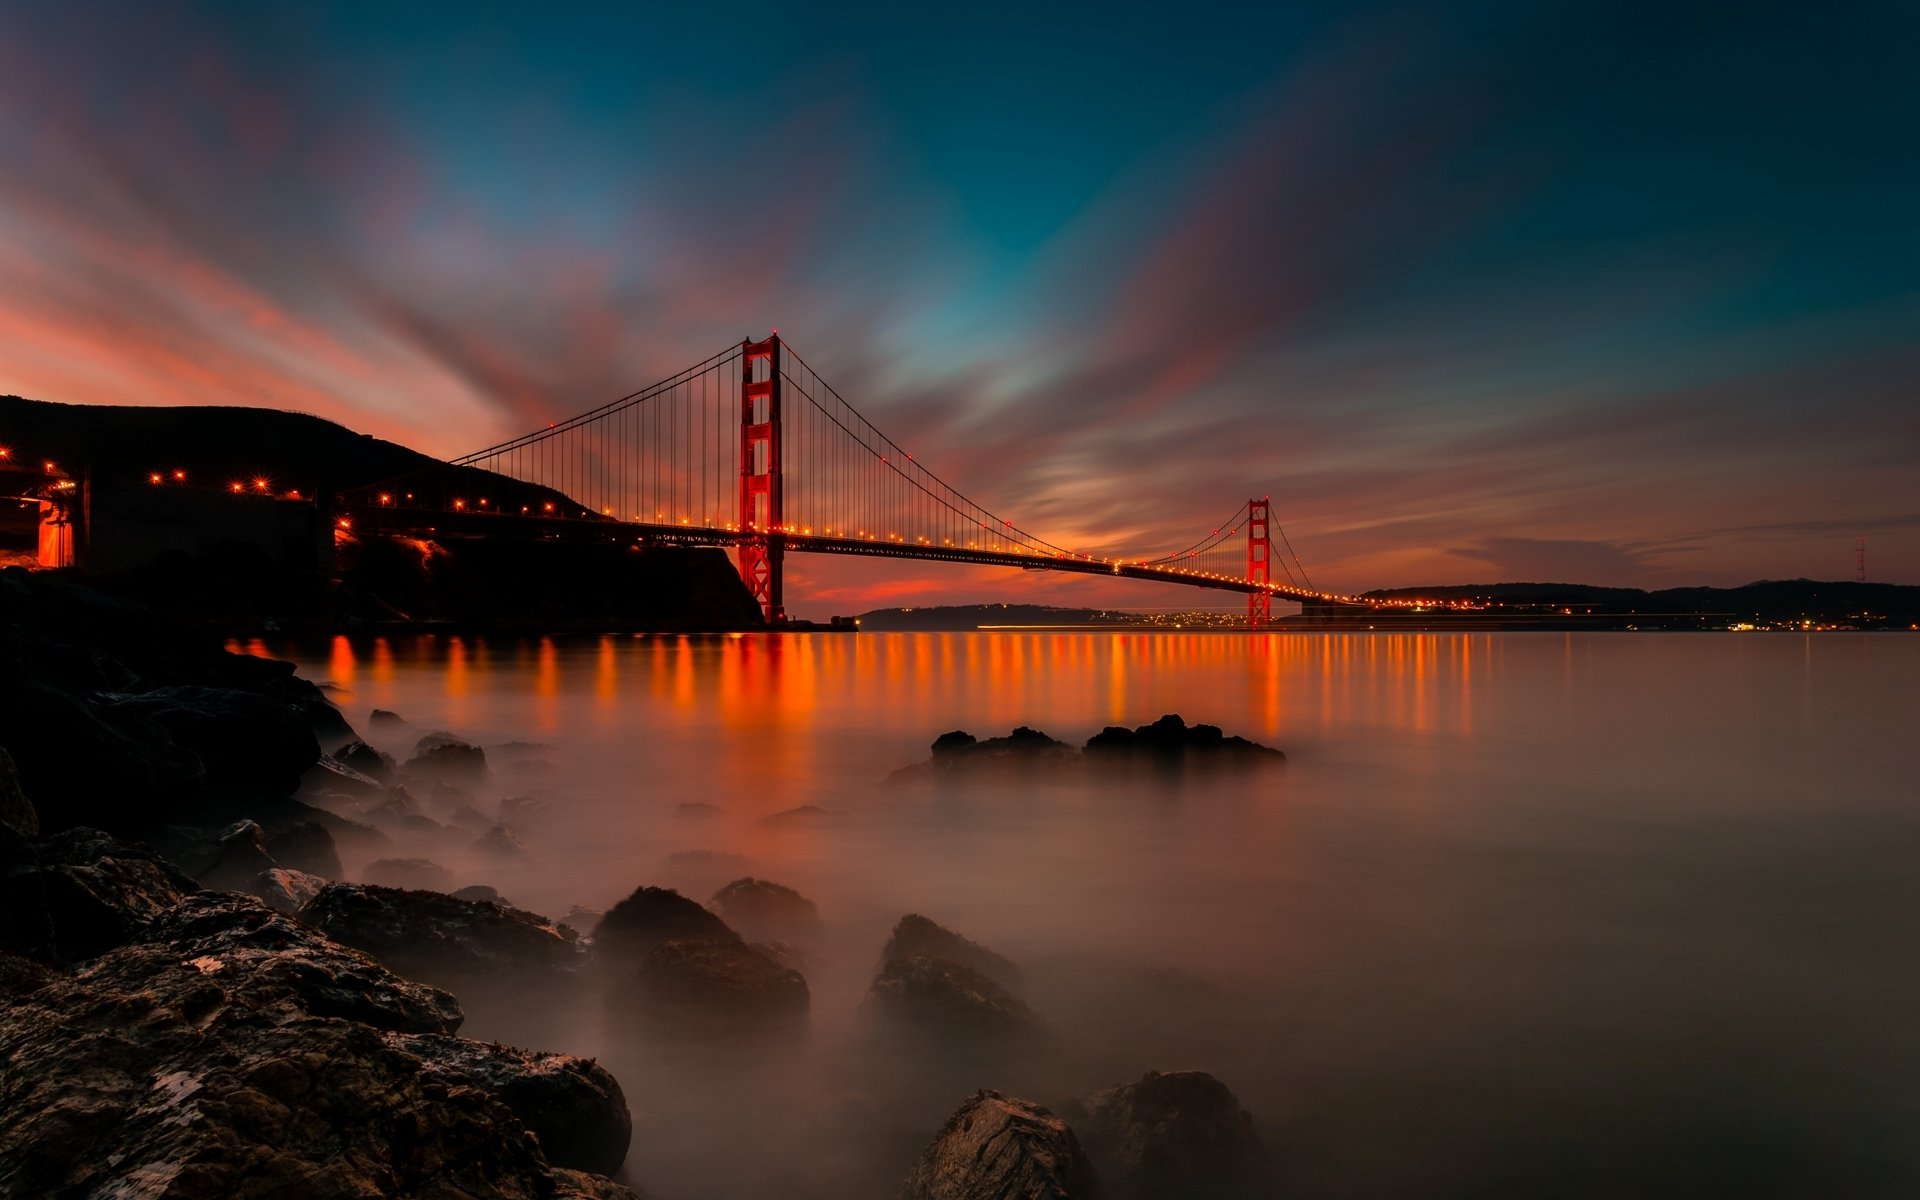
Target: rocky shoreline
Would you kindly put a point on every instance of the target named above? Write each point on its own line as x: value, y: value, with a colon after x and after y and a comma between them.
x: 199, y: 1003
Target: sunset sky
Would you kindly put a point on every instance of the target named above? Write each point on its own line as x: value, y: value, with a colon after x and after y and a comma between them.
x: 1609, y: 293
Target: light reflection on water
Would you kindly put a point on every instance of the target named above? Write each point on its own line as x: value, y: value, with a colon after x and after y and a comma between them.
x: 1564, y: 914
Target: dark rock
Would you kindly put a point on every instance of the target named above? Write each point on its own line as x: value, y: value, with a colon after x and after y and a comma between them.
x: 938, y: 995
x: 420, y: 874
x: 916, y: 934
x: 1170, y: 740
x: 580, y: 917
x: 480, y: 891
x: 16, y: 811
x: 574, y: 1105
x: 469, y: 817
x: 446, y: 797
x: 1023, y: 752
x: 86, y: 762
x: 23, y: 976
x: 999, y: 1148
x: 286, y: 890
x: 328, y: 777
x: 1173, y: 1135
x: 245, y: 741
x: 767, y: 910
x: 956, y: 741
x: 446, y: 757
x: 372, y: 763
x: 381, y: 716
x: 498, y: 843
x: 399, y: 811
x: 427, y: 935
x: 235, y: 1052
x: 720, y: 981
x: 81, y: 892
x: 304, y: 845
x: 579, y: 1185
x: 652, y: 915
x: 516, y: 810
x: 227, y: 860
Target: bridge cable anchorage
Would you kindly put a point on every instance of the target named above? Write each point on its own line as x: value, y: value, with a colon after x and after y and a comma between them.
x: 652, y: 468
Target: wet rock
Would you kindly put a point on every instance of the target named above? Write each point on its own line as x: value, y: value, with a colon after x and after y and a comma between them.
x: 286, y: 890
x: 381, y: 716
x: 1025, y: 747
x: 650, y: 916
x: 938, y: 995
x: 244, y: 740
x: 419, y: 874
x: 330, y: 778
x: 999, y: 1148
x: 427, y: 935
x: 304, y: 845
x: 372, y: 763
x: 768, y: 911
x: 579, y: 1185
x: 16, y: 811
x: 23, y: 976
x: 498, y: 843
x: 574, y: 1105
x: 443, y: 756
x: 89, y: 763
x: 723, y: 981
x: 805, y: 814
x: 916, y: 934
x: 400, y: 811
x: 1171, y: 741
x: 81, y: 892
x: 1173, y: 1135
x: 226, y: 860
x: 235, y: 1052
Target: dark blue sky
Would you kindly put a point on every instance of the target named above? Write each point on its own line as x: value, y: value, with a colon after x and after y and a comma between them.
x: 1609, y: 292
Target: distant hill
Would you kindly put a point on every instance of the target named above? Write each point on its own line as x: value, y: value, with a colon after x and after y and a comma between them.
x: 1775, y: 602
x: 976, y: 616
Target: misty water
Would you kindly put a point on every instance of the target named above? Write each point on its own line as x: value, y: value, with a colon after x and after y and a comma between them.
x: 1525, y: 914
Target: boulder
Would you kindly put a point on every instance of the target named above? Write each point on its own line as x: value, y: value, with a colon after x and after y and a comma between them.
x: 573, y: 1105
x: 16, y: 811
x: 1171, y: 741
x: 480, y: 891
x: 381, y: 716
x: 916, y: 934
x: 245, y: 741
x: 304, y: 845
x: 226, y: 860
x: 89, y: 763
x: 286, y: 890
x: 652, y: 915
x: 447, y: 758
x: 359, y: 756
x: 720, y: 981
x: 768, y: 911
x: 1173, y: 1135
x: 417, y: 874
x: 23, y: 976
x: 427, y: 935
x: 498, y: 843
x: 400, y: 811
x: 81, y: 892
x: 579, y: 1185
x: 235, y: 1052
x: 940, y: 996
x: 999, y: 1148
x: 1023, y: 748
x: 805, y: 814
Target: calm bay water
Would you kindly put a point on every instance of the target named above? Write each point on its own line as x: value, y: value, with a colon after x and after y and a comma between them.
x: 1566, y: 915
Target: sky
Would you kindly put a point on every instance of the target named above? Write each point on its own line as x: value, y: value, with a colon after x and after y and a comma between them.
x: 1606, y: 293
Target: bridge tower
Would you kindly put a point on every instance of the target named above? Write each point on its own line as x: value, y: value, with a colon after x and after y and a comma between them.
x: 762, y: 518
x: 1259, y: 563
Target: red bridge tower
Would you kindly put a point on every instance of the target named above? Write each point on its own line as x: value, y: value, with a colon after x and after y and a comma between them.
x: 762, y: 521
x: 1259, y: 563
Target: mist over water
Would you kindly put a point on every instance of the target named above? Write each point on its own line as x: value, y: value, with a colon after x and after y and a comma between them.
x: 1573, y: 915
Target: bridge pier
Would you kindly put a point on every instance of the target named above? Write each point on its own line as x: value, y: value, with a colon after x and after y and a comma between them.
x: 762, y: 519
x: 1259, y: 564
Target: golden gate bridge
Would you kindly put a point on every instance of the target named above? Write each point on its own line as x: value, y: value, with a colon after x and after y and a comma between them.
x: 751, y: 448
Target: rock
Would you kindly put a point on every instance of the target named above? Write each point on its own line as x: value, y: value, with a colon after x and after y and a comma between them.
x: 1024, y: 747
x: 446, y: 797
x: 359, y: 756
x: 446, y: 757
x: 470, y: 818
x: 235, y: 1052
x: 652, y: 915
x: 400, y: 812
x: 720, y: 981
x: 304, y: 846
x: 938, y: 995
x: 999, y: 1148
x: 226, y: 860
x: 581, y: 917
x: 381, y: 716
x: 916, y: 934
x: 286, y: 890
x: 578, y: 1185
x: 23, y: 976
x: 81, y: 892
x: 573, y: 1105
x: 89, y: 763
x: 767, y: 910
x: 419, y: 874
x: 16, y: 811
x: 427, y: 935
x: 480, y: 891
x: 1173, y: 1135
x: 245, y: 741
x: 1171, y: 741
x: 498, y: 843
x: 516, y: 810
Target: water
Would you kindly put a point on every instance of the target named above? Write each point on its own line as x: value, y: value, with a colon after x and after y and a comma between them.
x: 1567, y: 915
